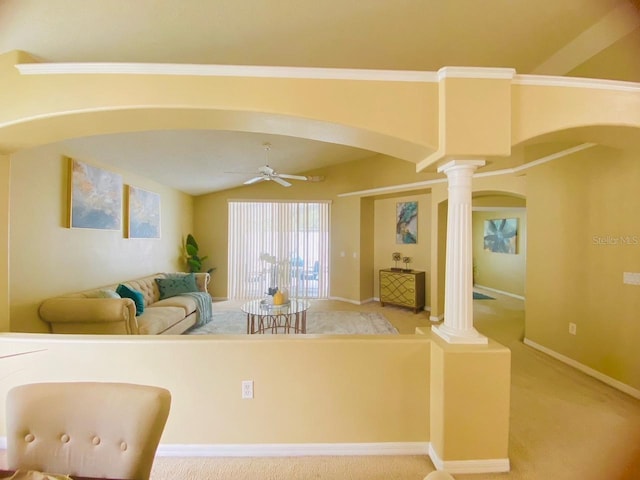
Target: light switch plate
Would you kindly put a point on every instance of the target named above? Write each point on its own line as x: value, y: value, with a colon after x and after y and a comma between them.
x: 631, y: 278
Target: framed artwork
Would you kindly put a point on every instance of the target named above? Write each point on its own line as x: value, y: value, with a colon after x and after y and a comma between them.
x: 143, y: 213
x: 95, y: 197
x: 500, y: 235
x: 407, y: 222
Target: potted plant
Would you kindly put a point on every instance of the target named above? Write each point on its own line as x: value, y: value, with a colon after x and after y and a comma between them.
x: 194, y: 260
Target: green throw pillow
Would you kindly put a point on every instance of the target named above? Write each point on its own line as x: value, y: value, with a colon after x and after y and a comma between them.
x: 135, y: 295
x: 176, y: 285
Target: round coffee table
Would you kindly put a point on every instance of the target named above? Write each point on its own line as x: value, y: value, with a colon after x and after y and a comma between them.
x: 265, y: 318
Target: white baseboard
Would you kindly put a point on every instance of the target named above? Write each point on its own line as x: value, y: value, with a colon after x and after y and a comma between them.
x: 349, y: 300
x: 328, y: 449
x: 617, y: 384
x: 498, y: 465
x: 509, y: 294
x: 436, y: 318
x: 294, y: 449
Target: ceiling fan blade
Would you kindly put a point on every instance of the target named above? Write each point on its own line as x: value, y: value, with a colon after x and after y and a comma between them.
x: 280, y: 181
x: 254, y: 180
x: 292, y: 177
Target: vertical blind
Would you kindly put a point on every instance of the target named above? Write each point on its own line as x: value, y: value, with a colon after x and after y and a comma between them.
x: 282, y: 245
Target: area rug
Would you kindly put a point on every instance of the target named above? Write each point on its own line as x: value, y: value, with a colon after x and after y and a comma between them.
x: 327, y: 323
x: 481, y: 296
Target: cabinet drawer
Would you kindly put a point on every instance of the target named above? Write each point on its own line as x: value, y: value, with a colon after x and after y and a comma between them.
x: 402, y: 288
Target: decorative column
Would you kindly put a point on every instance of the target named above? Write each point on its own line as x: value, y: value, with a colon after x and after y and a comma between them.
x: 458, y: 293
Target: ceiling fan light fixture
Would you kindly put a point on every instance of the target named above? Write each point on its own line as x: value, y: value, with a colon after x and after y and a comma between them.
x: 266, y: 173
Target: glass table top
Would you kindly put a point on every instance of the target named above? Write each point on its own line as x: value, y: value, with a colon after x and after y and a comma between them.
x: 261, y: 307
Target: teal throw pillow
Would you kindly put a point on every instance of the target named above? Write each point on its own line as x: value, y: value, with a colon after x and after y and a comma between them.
x: 176, y: 285
x: 135, y: 295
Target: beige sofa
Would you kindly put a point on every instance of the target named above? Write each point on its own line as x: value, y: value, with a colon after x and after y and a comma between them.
x: 89, y: 312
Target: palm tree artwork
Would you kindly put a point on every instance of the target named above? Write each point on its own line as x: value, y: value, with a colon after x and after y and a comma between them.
x: 500, y: 235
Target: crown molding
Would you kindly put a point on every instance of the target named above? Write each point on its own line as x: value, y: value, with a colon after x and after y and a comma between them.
x: 493, y: 173
x: 476, y: 72
x: 225, y: 71
x: 320, y: 73
x: 575, y: 82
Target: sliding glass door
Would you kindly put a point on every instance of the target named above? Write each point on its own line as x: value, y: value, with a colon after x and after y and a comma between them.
x: 282, y: 245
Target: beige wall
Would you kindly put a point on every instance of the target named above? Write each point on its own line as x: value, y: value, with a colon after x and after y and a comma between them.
x: 310, y: 398
x: 470, y: 394
x: 584, y: 232
x: 500, y: 271
x: 409, y: 390
x: 5, y: 184
x: 385, y: 237
x: 48, y: 259
x: 367, y: 247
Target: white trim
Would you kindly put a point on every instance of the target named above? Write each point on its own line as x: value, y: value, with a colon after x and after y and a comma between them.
x: 253, y: 71
x: 347, y: 300
x: 509, y: 294
x: 497, y: 465
x: 576, y: 82
x: 498, y: 209
x: 540, y: 161
x: 612, y: 382
x: 436, y: 318
x: 394, y: 188
x: 493, y: 173
x: 477, y: 72
x: 293, y: 449
x: 256, y: 71
x: 459, y: 163
x: 328, y: 449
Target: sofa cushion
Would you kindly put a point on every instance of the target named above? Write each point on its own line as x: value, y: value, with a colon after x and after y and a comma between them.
x: 136, y: 296
x: 186, y: 302
x: 176, y: 285
x: 156, y: 320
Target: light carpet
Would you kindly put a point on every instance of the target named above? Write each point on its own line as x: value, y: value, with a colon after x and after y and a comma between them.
x: 326, y: 323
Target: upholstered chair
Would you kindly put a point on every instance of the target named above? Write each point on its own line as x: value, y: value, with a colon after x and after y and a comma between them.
x: 89, y: 429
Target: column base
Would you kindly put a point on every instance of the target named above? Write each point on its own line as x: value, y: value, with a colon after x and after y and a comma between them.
x: 450, y: 335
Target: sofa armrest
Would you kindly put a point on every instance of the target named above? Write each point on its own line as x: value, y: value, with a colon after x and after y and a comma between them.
x: 202, y: 280
x: 90, y: 310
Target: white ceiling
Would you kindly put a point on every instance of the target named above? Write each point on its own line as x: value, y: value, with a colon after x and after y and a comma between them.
x: 588, y: 38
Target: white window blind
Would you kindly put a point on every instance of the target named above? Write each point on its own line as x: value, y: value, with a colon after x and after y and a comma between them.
x: 278, y: 244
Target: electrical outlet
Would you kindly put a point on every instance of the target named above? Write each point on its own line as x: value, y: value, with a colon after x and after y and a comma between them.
x: 572, y: 328
x: 247, y: 389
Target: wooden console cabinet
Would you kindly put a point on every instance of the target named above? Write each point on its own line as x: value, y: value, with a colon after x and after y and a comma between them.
x: 405, y: 289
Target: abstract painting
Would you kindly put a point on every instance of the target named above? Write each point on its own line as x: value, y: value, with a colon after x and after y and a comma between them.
x: 500, y: 235
x: 144, y: 213
x: 407, y: 222
x: 95, y: 197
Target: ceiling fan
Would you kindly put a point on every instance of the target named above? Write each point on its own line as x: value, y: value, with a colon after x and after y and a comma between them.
x: 266, y: 173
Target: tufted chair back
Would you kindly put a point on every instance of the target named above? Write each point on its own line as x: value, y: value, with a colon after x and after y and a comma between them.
x: 89, y: 429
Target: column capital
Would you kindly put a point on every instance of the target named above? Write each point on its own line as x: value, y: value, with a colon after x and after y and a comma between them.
x: 459, y: 164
